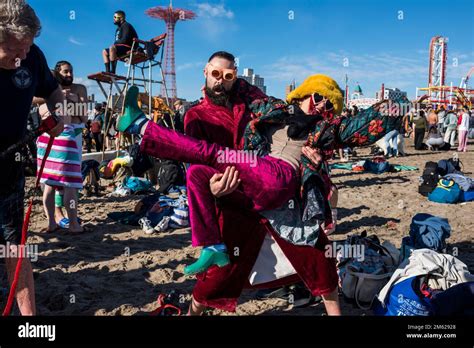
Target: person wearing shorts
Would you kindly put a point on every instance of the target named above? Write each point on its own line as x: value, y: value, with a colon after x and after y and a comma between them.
x: 24, y: 73
x: 124, y: 36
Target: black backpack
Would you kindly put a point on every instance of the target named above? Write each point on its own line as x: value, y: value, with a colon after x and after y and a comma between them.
x: 429, y: 178
x: 141, y: 161
x: 169, y: 173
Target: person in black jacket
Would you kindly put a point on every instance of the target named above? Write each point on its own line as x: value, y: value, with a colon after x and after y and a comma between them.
x: 124, y: 36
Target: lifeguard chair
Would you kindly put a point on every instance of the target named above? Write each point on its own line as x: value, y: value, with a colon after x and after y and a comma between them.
x: 140, y: 60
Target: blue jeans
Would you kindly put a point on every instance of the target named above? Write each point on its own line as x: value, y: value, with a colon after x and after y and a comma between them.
x: 393, y: 137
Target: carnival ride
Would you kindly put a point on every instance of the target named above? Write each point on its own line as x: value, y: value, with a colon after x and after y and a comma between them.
x: 437, y: 92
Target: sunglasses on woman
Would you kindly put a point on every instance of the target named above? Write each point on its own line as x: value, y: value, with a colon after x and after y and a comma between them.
x: 317, y: 98
x: 226, y: 74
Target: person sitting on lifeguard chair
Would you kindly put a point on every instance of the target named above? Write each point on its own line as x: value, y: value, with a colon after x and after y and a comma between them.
x: 124, y: 36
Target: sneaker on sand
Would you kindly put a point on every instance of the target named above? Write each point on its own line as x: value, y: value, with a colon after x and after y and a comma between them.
x: 145, y: 224
x: 163, y: 225
x: 121, y: 191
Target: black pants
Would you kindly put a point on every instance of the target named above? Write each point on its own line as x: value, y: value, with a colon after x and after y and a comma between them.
x: 98, y: 138
x: 88, y: 141
x: 419, y: 135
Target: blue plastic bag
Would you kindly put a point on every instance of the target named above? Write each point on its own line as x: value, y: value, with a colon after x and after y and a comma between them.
x: 403, y: 300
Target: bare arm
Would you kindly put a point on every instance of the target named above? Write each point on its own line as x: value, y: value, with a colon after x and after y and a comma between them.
x: 82, y: 93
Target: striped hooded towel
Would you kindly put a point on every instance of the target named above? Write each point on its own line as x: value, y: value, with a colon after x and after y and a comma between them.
x: 63, y: 165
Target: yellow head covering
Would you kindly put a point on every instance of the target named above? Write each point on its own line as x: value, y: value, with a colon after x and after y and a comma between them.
x: 321, y: 84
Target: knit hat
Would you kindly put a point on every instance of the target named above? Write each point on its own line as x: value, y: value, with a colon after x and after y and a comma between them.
x: 321, y: 84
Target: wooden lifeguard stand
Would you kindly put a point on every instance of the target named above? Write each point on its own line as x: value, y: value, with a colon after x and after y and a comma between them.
x: 140, y: 60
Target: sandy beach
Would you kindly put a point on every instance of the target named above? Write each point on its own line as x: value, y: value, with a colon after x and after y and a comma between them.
x: 119, y: 270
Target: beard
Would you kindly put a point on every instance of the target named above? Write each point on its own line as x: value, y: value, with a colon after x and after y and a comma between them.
x: 66, y: 81
x: 220, y: 99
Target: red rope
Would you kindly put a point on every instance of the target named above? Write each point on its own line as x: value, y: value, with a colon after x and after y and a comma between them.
x: 24, y: 232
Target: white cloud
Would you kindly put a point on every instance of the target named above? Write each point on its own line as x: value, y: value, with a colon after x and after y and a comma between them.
x: 370, y: 70
x: 405, y: 71
x: 214, y: 21
x: 75, y: 42
x: 207, y: 10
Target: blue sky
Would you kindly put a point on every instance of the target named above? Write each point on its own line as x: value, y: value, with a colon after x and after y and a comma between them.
x: 382, y: 41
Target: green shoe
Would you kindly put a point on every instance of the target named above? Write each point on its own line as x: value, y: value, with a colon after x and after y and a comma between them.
x: 207, y: 259
x: 131, y: 111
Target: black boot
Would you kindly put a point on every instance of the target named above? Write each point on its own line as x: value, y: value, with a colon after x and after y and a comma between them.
x: 107, y: 67
x: 114, y: 66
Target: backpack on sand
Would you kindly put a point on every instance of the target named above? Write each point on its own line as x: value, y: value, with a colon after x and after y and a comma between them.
x: 447, y: 191
x: 361, y: 278
x: 449, y: 166
x: 429, y: 178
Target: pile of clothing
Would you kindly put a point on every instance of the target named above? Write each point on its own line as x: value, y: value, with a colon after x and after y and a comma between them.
x: 428, y: 281
x: 108, y: 169
x: 157, y: 212
x: 444, y: 182
x: 377, y: 165
x: 166, y: 213
x: 426, y: 231
x: 132, y: 185
x: 420, y: 279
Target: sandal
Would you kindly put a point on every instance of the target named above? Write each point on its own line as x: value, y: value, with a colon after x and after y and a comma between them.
x: 64, y: 222
x: 165, y: 307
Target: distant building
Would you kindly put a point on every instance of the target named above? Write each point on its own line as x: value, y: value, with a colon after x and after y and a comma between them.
x: 289, y: 88
x: 254, y: 79
x: 362, y: 103
x: 357, y: 94
x: 358, y: 99
x: 390, y: 93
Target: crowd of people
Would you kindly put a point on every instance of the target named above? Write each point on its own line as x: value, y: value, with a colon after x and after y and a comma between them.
x: 292, y: 139
x: 438, y: 129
